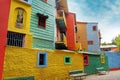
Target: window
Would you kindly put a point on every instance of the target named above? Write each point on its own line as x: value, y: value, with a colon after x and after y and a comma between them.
x: 27, y: 1
x: 15, y: 39
x: 20, y: 17
x: 86, y: 60
x: 42, y: 20
x: 67, y: 60
x: 42, y: 59
x: 90, y: 42
x: 94, y: 28
x: 76, y: 29
x: 102, y: 59
x: 44, y: 0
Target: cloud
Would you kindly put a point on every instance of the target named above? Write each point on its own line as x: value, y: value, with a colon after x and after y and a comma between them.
x: 105, y: 12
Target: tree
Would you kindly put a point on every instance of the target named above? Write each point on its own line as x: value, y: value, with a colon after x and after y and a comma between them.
x: 117, y: 41
x: 113, y: 41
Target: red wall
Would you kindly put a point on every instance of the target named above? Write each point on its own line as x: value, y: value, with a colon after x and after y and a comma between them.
x: 71, y: 22
x: 4, y: 14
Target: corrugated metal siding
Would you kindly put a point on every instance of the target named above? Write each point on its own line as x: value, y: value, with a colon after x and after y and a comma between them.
x: 42, y: 43
x: 93, y: 35
x: 95, y: 62
x: 70, y: 19
x: 46, y: 35
x: 114, y: 59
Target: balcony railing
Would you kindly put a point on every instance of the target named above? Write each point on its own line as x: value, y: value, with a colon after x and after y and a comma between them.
x: 61, y: 43
x: 61, y: 20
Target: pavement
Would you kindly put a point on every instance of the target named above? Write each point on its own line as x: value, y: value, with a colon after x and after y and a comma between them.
x: 112, y: 75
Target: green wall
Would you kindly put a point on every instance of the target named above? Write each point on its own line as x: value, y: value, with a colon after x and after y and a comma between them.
x: 95, y: 62
x: 42, y: 37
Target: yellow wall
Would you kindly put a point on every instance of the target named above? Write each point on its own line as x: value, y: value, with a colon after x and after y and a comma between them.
x: 82, y: 35
x: 12, y: 21
x: 12, y: 16
x: 28, y: 41
x: 20, y: 62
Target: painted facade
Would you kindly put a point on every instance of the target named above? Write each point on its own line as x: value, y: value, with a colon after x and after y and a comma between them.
x: 65, y: 29
x: 19, y: 20
x: 93, y: 37
x: 81, y: 36
x: 4, y: 14
x: 113, y: 60
x: 95, y: 61
x: 61, y: 25
x: 33, y: 53
x: 71, y: 36
x: 44, y: 35
x: 89, y: 36
x: 20, y: 65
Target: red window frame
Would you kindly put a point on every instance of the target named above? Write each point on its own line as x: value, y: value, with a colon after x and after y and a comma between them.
x: 42, y: 20
x: 94, y: 28
x: 45, y: 0
x: 90, y: 42
x: 86, y: 59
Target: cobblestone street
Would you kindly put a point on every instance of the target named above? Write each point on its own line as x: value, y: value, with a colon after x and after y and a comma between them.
x: 112, y: 75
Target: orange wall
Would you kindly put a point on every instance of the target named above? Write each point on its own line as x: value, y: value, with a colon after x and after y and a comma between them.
x: 70, y: 19
x: 81, y: 35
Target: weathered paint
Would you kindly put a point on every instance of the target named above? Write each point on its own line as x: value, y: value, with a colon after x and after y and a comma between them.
x: 95, y: 62
x: 43, y: 36
x: 113, y: 59
x: 12, y: 17
x: 21, y: 62
x: 71, y: 22
x: 93, y: 35
x: 81, y: 35
x: 4, y: 14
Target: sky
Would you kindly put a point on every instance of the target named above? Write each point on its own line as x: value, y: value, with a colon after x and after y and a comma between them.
x: 105, y: 12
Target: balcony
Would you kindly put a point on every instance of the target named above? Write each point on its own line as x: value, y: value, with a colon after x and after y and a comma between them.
x: 61, y: 20
x: 61, y: 42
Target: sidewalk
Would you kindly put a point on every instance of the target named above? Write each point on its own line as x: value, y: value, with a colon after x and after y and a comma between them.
x: 112, y: 75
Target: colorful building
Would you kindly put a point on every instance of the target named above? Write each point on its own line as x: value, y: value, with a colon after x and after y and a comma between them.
x: 71, y: 33
x: 81, y: 36
x: 88, y: 35
x: 65, y: 27
x: 4, y: 14
x: 31, y: 41
x: 93, y: 37
x: 19, y: 24
x: 92, y: 61
x: 43, y: 24
x: 61, y: 25
x: 54, y: 64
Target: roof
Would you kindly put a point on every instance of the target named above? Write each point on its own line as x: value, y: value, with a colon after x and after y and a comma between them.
x: 92, y: 53
x: 115, y: 50
x: 108, y: 46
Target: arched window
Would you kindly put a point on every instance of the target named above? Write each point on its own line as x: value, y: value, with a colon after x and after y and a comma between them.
x: 20, y: 17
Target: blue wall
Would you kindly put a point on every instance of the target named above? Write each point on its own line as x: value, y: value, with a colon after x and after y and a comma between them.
x: 93, y: 36
x: 113, y: 59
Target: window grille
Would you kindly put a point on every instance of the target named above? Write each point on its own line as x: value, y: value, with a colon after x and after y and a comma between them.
x: 15, y: 39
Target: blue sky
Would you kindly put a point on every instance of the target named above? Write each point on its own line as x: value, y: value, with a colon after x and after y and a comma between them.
x: 105, y: 12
